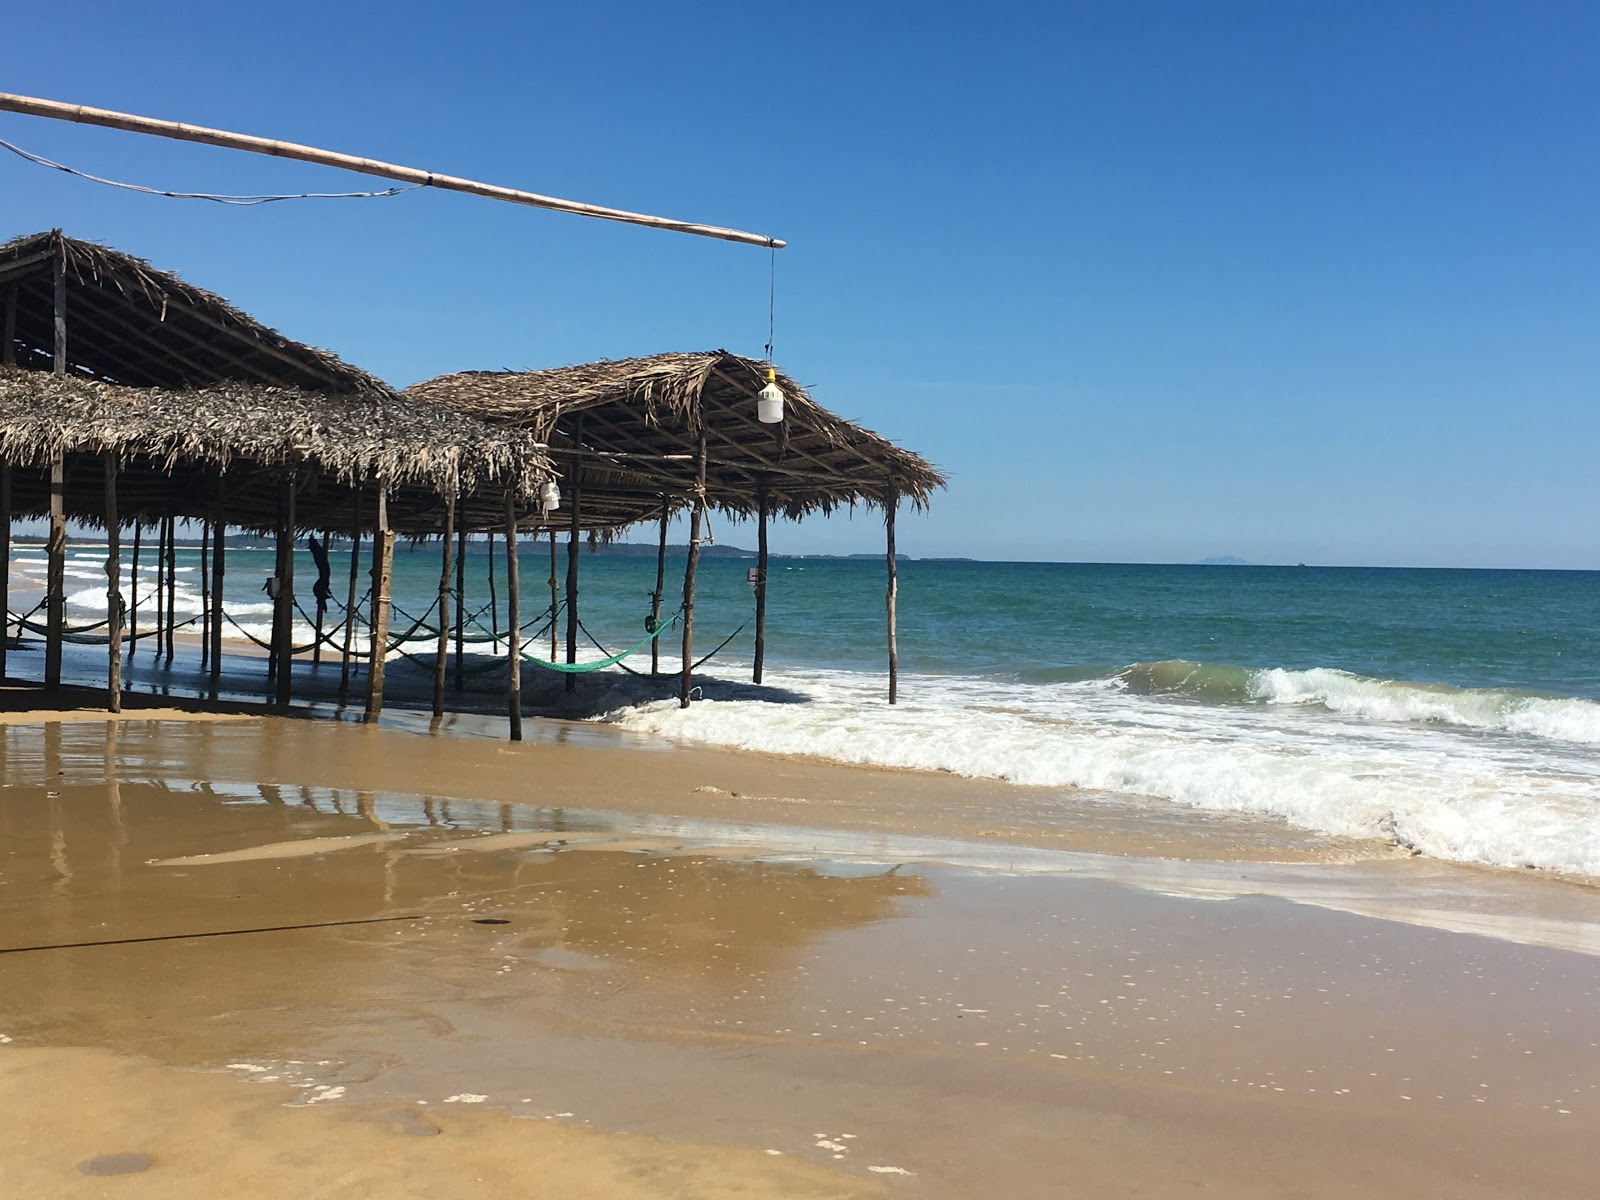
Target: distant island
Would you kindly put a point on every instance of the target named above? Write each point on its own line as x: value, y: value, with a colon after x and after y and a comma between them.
x: 1224, y: 560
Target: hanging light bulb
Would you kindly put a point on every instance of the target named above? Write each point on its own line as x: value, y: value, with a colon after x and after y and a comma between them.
x: 549, y: 496
x: 769, y: 401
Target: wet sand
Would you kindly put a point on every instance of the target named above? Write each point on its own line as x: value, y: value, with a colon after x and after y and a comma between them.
x: 302, y: 958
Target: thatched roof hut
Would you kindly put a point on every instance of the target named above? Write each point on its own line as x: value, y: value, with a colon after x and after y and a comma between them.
x: 182, y: 387
x: 633, y: 425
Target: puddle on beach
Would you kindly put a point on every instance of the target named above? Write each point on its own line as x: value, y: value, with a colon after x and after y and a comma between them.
x: 872, y: 1005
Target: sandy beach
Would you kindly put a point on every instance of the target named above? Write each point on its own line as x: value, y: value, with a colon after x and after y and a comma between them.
x: 303, y: 957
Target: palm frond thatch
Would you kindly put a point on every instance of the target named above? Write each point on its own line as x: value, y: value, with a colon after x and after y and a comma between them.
x: 627, y: 431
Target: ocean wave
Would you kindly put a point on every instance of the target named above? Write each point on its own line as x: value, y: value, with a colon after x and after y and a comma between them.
x: 1450, y: 793
x: 1569, y: 719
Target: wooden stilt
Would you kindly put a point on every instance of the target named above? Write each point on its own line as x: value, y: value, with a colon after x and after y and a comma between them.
x: 891, y: 502
x: 383, y: 577
x: 172, y: 584
x: 761, y: 582
x: 113, y: 590
x: 322, y: 606
x: 219, y: 564
x: 161, y: 588
x: 572, y: 569
x: 514, y: 607
x: 205, y: 594
x: 661, y: 583
x: 8, y: 355
x: 461, y: 604
x: 56, y: 573
x: 494, y: 603
x: 133, y: 587
x: 696, y: 522
x: 5, y: 536
x: 284, y: 608
x: 350, y: 602
x: 555, y: 599
x: 448, y: 543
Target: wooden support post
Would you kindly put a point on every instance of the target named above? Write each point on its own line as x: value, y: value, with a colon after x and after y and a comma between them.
x: 205, y: 594
x: 161, y: 590
x: 661, y: 583
x: 219, y: 564
x: 5, y: 556
x: 283, y: 609
x: 572, y: 569
x: 449, y: 544
x: 321, y: 594
x: 514, y: 607
x: 172, y: 584
x: 555, y: 599
x: 382, y: 580
x: 461, y: 600
x: 133, y: 586
x: 696, y: 521
x: 494, y: 603
x: 761, y: 582
x: 350, y: 602
x: 113, y: 590
x: 56, y: 572
x: 891, y: 502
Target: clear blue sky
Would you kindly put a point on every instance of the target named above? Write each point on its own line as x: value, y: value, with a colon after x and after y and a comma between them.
x: 1151, y: 280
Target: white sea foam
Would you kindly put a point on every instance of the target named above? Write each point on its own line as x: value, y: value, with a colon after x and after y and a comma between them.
x: 1574, y: 720
x: 1450, y: 790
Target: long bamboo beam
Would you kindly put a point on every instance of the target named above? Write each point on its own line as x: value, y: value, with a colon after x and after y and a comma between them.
x: 84, y: 115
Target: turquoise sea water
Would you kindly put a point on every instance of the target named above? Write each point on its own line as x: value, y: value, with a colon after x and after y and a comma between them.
x: 1457, y: 712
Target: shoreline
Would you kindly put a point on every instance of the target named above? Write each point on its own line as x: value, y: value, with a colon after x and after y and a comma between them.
x: 660, y: 967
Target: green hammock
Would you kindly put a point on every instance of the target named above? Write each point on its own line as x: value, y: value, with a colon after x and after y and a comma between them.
x: 612, y: 660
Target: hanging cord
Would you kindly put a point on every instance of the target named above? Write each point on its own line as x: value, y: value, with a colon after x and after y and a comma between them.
x: 772, y: 300
x: 240, y: 201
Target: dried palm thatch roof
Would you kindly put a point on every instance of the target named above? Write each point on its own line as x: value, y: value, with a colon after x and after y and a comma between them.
x: 133, y: 324
x: 171, y: 442
x: 628, y: 430
x: 180, y: 387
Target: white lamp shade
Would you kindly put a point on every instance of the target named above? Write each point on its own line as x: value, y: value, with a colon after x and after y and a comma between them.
x: 549, y: 495
x: 769, y: 404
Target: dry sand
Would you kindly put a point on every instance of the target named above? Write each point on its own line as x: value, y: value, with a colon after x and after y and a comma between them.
x: 297, y: 958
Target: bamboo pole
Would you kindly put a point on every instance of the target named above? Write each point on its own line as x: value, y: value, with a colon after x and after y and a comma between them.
x: 133, y: 586
x: 172, y: 583
x: 514, y: 607
x: 555, y: 598
x: 383, y: 573
x: 350, y: 602
x: 441, y: 663
x: 84, y: 115
x: 494, y: 603
x: 8, y: 356
x: 161, y: 591
x: 761, y: 582
x: 461, y: 602
x: 285, y: 603
x: 113, y: 590
x: 696, y: 519
x: 571, y: 681
x: 56, y: 572
x: 219, y: 562
x: 655, y: 596
x: 205, y: 594
x: 5, y: 563
x: 322, y: 604
x: 891, y: 502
